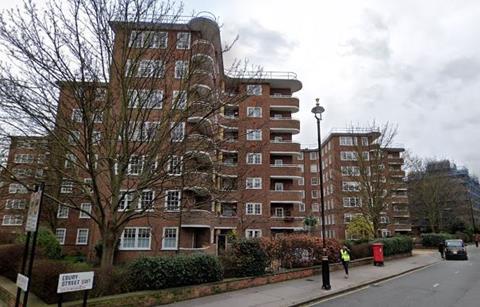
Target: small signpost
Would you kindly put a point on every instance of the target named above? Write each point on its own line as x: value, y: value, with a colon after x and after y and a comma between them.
x: 31, y: 228
x: 71, y: 282
x: 22, y: 282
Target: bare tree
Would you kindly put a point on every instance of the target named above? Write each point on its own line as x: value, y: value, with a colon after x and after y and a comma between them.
x: 376, y: 186
x: 94, y: 76
x: 433, y: 194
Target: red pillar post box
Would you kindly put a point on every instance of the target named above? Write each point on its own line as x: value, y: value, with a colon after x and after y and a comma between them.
x: 377, y: 251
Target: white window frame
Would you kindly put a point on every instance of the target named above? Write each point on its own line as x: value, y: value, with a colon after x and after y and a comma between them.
x: 253, y: 233
x: 348, y: 156
x: 13, y: 220
x: 352, y: 171
x: 61, y: 239
x: 23, y: 158
x: 77, y: 241
x: 179, y: 200
x: 183, y: 40
x: 254, y: 158
x: 175, y: 134
x: 135, y: 169
x: 176, y: 238
x: 179, y: 100
x: 254, y: 112
x: 351, y: 186
x: 175, y: 165
x: 62, y: 212
x: 301, y: 181
x: 301, y: 207
x: 181, y: 69
x: 253, y: 209
x: 315, y: 181
x: 254, y: 134
x: 77, y: 115
x: 17, y: 188
x: 348, y: 201
x: 15, y: 204
x: 313, y: 168
x: 136, y: 239
x: 315, y: 194
x: 83, y: 210
x: 254, y: 89
x: 279, y: 186
x: 150, y: 69
x: 315, y: 207
x: 279, y: 212
x: 313, y: 155
x: 253, y: 183
x: 66, y: 186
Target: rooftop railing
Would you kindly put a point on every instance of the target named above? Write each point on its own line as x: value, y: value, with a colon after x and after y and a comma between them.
x: 285, y: 75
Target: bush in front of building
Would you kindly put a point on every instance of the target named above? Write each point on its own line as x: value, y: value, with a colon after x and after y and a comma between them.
x: 359, y: 249
x: 47, y: 243
x: 151, y: 273
x: 396, y: 245
x: 246, y: 257
x: 299, y: 250
x: 10, y: 259
x: 434, y: 239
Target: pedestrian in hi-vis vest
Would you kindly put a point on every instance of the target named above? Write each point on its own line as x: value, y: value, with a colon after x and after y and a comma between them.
x: 345, y: 257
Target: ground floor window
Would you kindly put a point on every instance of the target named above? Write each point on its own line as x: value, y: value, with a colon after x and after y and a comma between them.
x: 60, y: 233
x: 253, y: 233
x: 135, y: 238
x: 170, y: 238
x: 82, y: 236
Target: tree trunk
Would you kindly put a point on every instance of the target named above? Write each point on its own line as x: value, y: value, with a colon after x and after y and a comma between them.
x: 109, y: 244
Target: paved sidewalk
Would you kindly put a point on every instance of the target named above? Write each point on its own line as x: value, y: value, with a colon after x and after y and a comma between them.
x: 293, y: 292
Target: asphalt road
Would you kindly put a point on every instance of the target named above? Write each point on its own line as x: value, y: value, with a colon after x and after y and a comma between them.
x: 445, y: 284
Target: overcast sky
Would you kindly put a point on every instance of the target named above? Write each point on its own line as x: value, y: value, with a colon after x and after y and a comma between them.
x: 409, y: 62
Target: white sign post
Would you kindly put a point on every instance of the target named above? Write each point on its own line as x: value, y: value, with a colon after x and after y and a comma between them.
x: 33, y: 211
x: 70, y: 282
x: 22, y: 282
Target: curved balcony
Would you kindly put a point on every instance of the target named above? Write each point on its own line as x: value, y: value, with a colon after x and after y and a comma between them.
x: 285, y: 171
x: 200, y: 125
x: 201, y: 92
x: 293, y: 196
x: 285, y: 126
x: 203, y: 46
x: 203, y: 77
x: 200, y: 143
x: 203, y: 62
x: 199, y: 182
x: 197, y: 217
x: 284, y: 146
x: 284, y: 103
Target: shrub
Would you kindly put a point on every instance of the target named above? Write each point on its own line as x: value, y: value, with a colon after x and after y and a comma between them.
x: 361, y: 250
x: 47, y: 243
x: 10, y: 260
x: 150, y: 273
x: 45, y: 278
x: 7, y: 238
x: 299, y: 250
x: 111, y: 281
x: 434, y: 239
x: 396, y: 245
x: 246, y: 257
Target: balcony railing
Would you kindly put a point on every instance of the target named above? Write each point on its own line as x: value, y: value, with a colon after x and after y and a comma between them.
x: 285, y: 75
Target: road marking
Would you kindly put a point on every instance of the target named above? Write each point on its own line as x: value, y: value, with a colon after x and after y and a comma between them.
x: 336, y: 296
x: 436, y: 285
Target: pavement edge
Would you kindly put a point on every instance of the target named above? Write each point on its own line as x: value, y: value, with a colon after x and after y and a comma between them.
x: 356, y: 287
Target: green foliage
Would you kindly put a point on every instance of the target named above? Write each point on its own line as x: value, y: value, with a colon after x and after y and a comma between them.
x: 246, y: 257
x: 359, y: 249
x: 396, y: 245
x: 47, y: 243
x: 434, y: 239
x: 310, y: 221
x: 299, y: 250
x: 359, y: 227
x: 151, y: 273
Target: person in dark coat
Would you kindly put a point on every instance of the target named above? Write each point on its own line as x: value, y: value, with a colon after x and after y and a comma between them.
x: 441, y: 248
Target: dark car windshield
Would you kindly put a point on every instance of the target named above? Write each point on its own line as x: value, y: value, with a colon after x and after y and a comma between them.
x: 454, y: 243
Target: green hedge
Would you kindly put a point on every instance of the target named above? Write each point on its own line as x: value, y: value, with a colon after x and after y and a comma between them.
x: 151, y: 273
x: 246, y: 257
x: 396, y: 245
x: 47, y: 243
x: 433, y: 239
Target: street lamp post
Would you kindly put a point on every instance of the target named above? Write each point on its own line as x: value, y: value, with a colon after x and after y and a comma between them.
x: 318, y: 110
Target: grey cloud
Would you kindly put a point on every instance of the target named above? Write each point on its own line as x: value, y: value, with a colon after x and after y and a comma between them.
x: 371, y: 41
x: 465, y: 69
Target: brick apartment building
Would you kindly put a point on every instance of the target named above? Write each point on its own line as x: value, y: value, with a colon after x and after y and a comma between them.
x: 341, y: 182
x: 257, y: 171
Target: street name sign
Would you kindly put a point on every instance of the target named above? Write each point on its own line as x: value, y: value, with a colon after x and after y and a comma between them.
x: 71, y: 282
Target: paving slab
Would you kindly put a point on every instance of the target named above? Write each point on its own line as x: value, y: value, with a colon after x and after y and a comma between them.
x: 300, y: 291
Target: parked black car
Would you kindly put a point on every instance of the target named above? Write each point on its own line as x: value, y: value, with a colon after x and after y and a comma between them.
x: 455, y: 249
